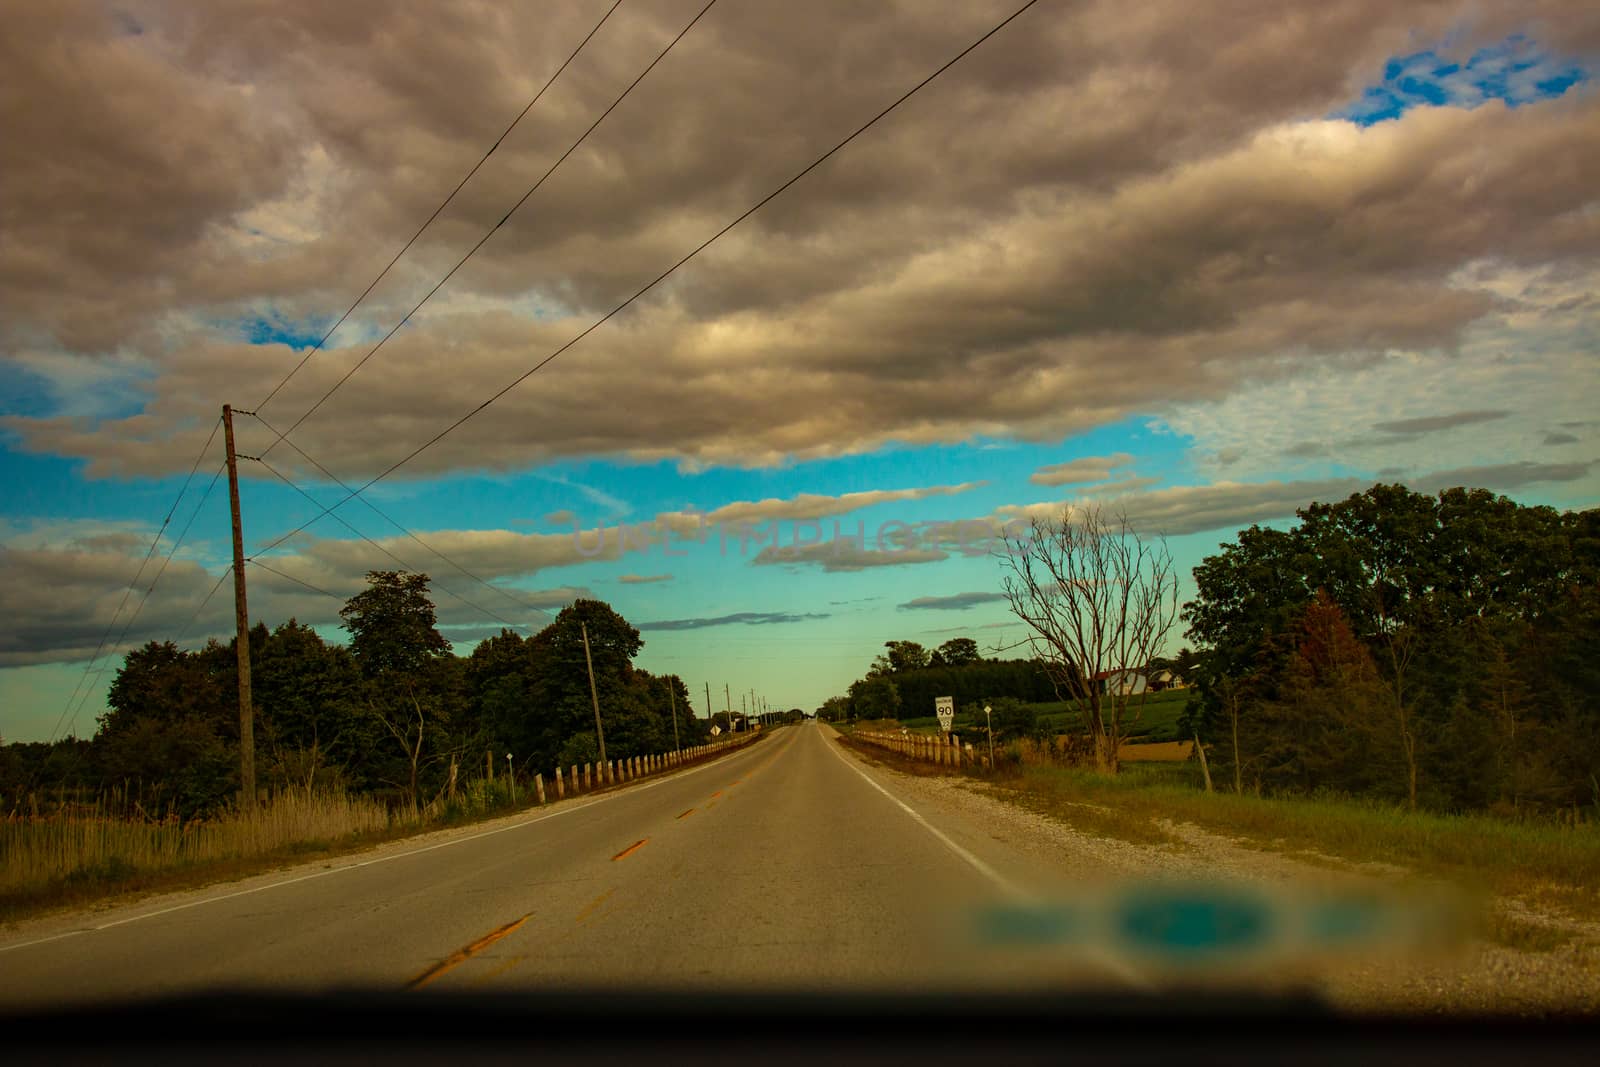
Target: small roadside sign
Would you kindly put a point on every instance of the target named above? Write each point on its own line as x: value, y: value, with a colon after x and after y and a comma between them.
x: 945, y: 708
x: 715, y: 730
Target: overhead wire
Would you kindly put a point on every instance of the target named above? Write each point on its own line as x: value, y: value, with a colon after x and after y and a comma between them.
x: 398, y: 525
x: 446, y: 203
x: 198, y: 611
x: 134, y: 583
x: 496, y: 227
x: 349, y: 526
x: 758, y: 205
x: 289, y: 577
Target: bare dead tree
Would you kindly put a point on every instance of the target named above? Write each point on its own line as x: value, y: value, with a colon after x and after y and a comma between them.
x: 410, y: 743
x: 1097, y: 597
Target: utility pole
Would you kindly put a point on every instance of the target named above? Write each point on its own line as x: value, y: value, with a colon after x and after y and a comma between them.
x: 728, y: 698
x: 594, y: 696
x: 708, y: 702
x: 672, y: 696
x: 241, y: 618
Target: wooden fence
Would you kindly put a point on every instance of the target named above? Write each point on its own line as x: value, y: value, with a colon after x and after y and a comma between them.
x: 597, y: 775
x: 943, y: 749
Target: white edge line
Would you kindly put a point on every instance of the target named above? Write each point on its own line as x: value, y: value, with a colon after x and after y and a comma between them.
x: 1123, y: 970
x: 590, y: 802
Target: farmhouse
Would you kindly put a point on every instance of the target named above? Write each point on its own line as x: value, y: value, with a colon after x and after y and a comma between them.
x: 1122, y: 682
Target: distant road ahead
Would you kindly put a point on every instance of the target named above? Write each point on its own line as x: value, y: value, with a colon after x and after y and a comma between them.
x: 787, y: 865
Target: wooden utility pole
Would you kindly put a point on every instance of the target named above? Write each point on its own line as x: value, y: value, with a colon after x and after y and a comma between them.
x: 728, y: 699
x: 708, y: 702
x: 599, y: 732
x: 241, y: 618
x: 672, y: 696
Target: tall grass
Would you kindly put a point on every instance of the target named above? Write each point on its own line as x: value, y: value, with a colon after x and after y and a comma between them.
x: 74, y: 848
x: 41, y: 853
x: 85, y: 850
x: 1536, y: 859
x: 1544, y: 861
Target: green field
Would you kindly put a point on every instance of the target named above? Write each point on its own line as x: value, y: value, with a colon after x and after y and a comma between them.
x: 1155, y: 720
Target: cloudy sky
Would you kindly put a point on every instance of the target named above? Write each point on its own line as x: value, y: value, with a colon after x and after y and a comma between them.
x: 1202, y: 269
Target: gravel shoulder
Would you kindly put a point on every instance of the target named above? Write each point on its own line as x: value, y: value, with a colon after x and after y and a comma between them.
x: 1477, y: 977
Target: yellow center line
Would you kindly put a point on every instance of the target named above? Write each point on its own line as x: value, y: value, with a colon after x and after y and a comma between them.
x: 510, y: 964
x: 460, y: 956
x: 630, y: 850
x: 717, y: 794
x: 593, y: 904
x: 686, y: 814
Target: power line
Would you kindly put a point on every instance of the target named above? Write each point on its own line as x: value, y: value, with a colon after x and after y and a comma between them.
x: 127, y: 626
x: 436, y: 211
x: 813, y: 165
x: 496, y: 227
x: 392, y: 521
x: 292, y: 578
x: 196, y: 616
x: 127, y: 592
x: 403, y: 564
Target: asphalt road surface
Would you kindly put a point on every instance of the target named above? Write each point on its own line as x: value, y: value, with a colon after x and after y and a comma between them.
x: 788, y: 865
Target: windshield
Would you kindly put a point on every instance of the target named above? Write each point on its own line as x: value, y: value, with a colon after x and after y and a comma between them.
x: 934, y: 498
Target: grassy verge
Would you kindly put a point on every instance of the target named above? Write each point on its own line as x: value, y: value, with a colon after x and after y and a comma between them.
x: 55, y: 863
x: 1545, y: 865
x: 1155, y: 720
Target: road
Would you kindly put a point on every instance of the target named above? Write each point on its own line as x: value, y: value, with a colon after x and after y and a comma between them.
x: 787, y: 865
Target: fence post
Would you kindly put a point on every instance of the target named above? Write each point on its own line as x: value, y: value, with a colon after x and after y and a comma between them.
x: 609, y: 774
x: 538, y: 786
x: 561, y: 786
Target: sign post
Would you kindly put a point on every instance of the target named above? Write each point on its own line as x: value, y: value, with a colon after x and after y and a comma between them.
x: 945, y: 708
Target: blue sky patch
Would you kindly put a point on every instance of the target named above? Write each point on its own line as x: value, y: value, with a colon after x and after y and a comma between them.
x: 1516, y: 71
x: 273, y: 330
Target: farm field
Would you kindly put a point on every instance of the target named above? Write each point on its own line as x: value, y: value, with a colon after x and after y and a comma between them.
x: 1156, y: 719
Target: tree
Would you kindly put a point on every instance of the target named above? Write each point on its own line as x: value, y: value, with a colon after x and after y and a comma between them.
x: 874, y: 697
x: 413, y: 688
x: 392, y: 624
x: 559, y: 703
x: 308, y: 700
x: 901, y: 656
x: 1423, y: 582
x: 1097, y: 597
x: 958, y: 652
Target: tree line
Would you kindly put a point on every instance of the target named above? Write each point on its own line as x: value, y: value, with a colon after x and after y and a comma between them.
x: 905, y: 679
x: 387, y: 713
x: 1438, y: 651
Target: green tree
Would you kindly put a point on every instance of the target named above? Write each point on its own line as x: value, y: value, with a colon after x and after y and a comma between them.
x: 874, y: 697
x: 309, y: 707
x: 392, y: 624
x: 559, y: 704
x: 900, y: 657
x: 959, y: 652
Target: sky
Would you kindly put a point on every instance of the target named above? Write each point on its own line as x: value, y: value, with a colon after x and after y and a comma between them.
x: 1201, y: 272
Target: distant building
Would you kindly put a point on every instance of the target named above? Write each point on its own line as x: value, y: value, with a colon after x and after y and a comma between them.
x: 1165, y: 679
x: 1123, y: 681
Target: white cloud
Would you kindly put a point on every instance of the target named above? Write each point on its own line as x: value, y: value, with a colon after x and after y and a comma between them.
x: 1086, y: 469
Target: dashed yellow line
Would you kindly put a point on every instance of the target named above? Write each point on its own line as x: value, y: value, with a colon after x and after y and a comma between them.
x: 462, y: 955
x: 630, y: 850
x: 593, y: 904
